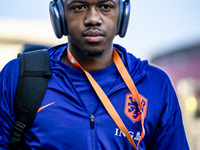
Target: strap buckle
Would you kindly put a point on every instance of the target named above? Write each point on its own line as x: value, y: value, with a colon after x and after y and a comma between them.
x: 19, y: 129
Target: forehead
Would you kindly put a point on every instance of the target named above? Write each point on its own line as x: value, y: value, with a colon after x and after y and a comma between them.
x: 91, y: 1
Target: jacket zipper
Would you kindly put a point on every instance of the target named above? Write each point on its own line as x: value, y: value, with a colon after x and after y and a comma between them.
x: 93, y: 133
x: 92, y: 121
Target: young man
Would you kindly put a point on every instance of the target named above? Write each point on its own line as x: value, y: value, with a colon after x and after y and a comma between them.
x: 75, y: 117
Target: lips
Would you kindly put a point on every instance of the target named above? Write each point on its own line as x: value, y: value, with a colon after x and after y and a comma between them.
x: 93, y: 36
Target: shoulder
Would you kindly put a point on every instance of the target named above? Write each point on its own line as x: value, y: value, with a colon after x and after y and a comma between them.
x: 157, y: 71
x: 139, y: 69
x: 159, y: 78
x: 9, y: 74
x: 158, y: 74
x: 11, y: 69
x: 8, y: 83
x: 57, y: 51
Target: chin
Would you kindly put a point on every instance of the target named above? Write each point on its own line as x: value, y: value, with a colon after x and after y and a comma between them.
x: 93, y: 53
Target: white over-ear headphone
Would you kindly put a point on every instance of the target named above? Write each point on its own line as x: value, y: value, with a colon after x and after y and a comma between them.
x: 57, y: 16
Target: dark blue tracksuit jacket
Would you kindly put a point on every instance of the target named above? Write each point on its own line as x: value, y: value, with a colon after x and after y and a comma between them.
x: 66, y: 125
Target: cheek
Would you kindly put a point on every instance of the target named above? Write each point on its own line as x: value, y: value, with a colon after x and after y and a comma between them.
x: 112, y: 26
x: 74, y: 31
x: 74, y: 24
x: 71, y: 25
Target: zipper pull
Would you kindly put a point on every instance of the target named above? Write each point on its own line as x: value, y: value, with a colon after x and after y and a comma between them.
x: 92, y: 121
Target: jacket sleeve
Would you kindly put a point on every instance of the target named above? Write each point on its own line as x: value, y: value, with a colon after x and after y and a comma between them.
x: 8, y: 83
x: 169, y: 132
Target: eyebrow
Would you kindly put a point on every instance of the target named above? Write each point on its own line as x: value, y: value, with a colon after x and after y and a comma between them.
x: 104, y: 1
x: 85, y: 2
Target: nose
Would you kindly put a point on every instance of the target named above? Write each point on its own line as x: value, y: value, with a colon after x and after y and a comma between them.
x: 93, y: 17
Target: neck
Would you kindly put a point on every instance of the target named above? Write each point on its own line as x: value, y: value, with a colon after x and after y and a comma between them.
x: 90, y: 62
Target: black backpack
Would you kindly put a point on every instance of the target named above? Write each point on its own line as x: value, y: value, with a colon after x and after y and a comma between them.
x: 34, y: 73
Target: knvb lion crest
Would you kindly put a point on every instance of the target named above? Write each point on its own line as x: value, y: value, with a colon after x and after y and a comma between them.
x: 131, y: 107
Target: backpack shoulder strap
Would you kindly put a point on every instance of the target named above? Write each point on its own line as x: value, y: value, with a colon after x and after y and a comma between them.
x: 34, y: 72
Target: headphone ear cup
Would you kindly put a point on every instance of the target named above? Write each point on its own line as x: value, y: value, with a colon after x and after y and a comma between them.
x: 57, y: 18
x: 124, y: 19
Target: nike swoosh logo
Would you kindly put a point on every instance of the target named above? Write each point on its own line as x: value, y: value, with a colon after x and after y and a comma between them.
x: 45, y: 106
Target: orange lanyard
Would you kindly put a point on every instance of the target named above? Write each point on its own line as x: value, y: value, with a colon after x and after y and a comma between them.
x: 104, y: 99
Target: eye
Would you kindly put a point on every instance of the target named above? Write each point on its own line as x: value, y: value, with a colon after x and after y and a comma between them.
x: 78, y: 8
x: 105, y: 7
